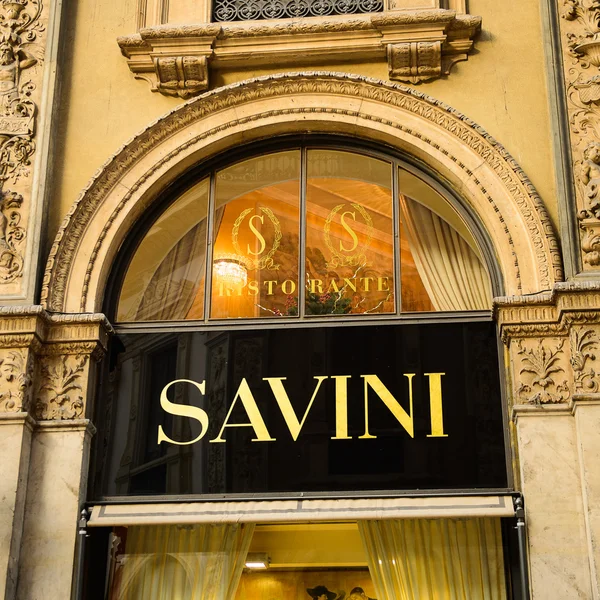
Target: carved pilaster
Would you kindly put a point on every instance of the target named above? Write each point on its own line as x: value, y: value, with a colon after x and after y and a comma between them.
x: 553, y: 343
x: 22, y: 40
x: 47, y: 361
x: 580, y: 36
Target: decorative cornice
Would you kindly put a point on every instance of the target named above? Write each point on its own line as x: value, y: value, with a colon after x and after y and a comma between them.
x: 420, y: 45
x: 508, y: 172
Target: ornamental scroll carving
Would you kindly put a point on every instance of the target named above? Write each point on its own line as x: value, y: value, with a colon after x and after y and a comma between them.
x: 581, y: 46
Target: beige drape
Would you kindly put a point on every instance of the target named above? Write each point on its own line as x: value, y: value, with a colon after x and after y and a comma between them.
x: 435, y: 559
x: 200, y: 562
x: 450, y: 270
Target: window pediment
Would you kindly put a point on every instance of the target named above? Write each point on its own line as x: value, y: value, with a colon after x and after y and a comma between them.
x: 419, y: 45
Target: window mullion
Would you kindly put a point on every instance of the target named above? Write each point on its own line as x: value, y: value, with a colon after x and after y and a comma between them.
x: 302, y: 235
x: 210, y: 247
x: 396, y: 225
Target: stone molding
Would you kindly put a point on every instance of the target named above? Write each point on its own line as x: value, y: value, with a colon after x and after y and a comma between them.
x: 420, y: 45
x: 553, y: 344
x: 453, y: 145
x: 45, y: 369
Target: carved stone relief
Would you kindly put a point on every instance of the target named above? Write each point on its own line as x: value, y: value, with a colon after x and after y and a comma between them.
x: 16, y: 378
x: 580, y: 25
x: 541, y: 374
x: 584, y: 344
x: 45, y: 361
x: 61, y: 391
x: 21, y: 55
x: 554, y: 344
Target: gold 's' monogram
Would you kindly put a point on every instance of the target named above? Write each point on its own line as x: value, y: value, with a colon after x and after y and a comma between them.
x: 260, y: 262
x: 258, y: 234
x: 350, y: 232
x: 349, y: 253
x: 245, y: 397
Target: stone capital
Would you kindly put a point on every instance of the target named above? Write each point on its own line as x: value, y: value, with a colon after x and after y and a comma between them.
x: 46, y: 361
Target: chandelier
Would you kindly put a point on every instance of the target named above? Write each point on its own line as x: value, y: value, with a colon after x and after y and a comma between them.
x: 231, y: 269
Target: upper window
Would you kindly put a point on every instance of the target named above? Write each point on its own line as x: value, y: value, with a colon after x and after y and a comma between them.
x: 248, y: 10
x: 305, y: 232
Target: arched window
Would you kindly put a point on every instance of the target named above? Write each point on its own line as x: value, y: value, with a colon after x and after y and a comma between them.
x: 304, y: 232
x: 307, y: 319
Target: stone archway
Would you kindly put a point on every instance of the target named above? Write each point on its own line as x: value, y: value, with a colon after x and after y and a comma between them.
x: 479, y: 169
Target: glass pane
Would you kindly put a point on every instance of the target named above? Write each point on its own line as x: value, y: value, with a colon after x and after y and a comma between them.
x: 255, y: 262
x: 441, y: 265
x: 349, y: 234
x: 165, y: 279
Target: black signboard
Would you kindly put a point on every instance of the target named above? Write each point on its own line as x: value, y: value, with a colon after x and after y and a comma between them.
x: 302, y: 410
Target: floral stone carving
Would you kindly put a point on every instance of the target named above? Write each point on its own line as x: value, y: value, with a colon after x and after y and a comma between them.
x: 540, y: 371
x: 60, y: 394
x: 583, y: 342
x: 16, y: 376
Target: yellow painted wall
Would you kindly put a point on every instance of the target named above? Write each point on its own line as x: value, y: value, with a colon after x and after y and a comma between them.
x: 502, y: 87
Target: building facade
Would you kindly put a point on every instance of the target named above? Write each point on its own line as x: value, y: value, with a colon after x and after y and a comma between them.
x: 310, y: 283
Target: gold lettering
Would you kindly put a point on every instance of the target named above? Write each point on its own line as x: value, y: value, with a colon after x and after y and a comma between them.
x: 180, y: 410
x: 341, y: 407
x: 285, y: 405
x: 251, y: 408
x: 366, y: 281
x: 349, y: 283
x: 316, y: 283
x: 435, y: 404
x: 252, y: 288
x: 269, y: 285
x: 292, y: 286
x: 380, y: 282
x: 349, y: 230
x: 333, y: 286
x: 257, y: 233
x: 405, y: 419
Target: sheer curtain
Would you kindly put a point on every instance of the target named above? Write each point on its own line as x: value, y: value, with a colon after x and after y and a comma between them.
x: 435, y: 559
x: 450, y: 270
x: 195, y: 562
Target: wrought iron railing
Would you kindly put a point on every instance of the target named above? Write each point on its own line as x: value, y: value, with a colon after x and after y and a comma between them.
x: 248, y: 10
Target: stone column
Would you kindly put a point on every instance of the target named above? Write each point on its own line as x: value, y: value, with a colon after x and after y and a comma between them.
x: 550, y: 483
x: 585, y: 359
x: 551, y: 344
x: 58, y: 464
x: 587, y: 422
x: 19, y: 338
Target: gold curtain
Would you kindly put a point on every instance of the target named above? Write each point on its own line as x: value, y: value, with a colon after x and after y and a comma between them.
x: 435, y: 559
x: 194, y: 562
x: 450, y: 270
